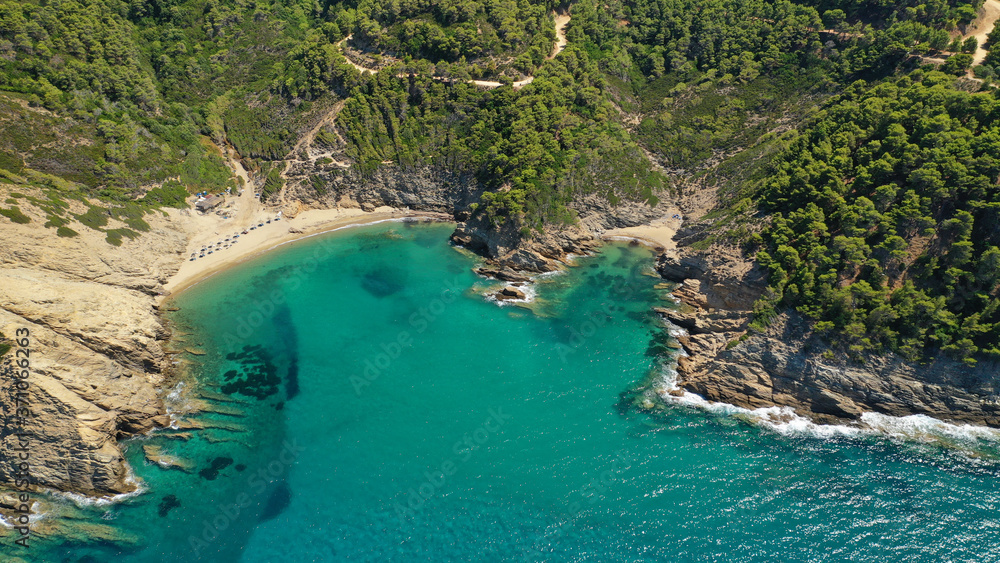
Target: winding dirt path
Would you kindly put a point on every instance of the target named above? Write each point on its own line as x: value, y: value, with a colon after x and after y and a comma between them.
x: 307, y: 139
x: 981, y: 28
x: 559, y: 20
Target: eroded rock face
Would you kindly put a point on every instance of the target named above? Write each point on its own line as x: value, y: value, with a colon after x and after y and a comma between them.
x: 786, y: 366
x: 507, y: 249
x: 423, y: 189
x: 95, y: 348
x: 789, y: 366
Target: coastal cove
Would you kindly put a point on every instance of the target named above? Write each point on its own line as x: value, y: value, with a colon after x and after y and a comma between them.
x: 358, y: 396
x: 586, y: 281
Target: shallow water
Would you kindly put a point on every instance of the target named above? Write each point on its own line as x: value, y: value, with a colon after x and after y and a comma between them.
x: 376, y: 407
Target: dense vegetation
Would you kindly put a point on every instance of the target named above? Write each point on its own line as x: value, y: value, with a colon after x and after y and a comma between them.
x: 456, y: 31
x: 883, y: 201
x: 534, y: 149
x: 887, y: 222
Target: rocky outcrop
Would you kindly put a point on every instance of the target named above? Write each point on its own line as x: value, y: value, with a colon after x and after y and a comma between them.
x: 95, y: 349
x: 507, y: 249
x: 510, y: 293
x: 789, y: 366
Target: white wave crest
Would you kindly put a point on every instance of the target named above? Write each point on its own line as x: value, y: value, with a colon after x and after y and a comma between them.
x: 785, y: 421
x: 84, y: 501
x: 925, y: 428
x: 34, y: 515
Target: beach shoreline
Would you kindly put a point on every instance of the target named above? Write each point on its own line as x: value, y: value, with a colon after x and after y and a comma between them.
x: 261, y: 230
x: 658, y: 234
x: 207, y: 230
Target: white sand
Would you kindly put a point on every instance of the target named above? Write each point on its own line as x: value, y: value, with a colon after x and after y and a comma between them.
x: 209, y: 229
x: 659, y: 233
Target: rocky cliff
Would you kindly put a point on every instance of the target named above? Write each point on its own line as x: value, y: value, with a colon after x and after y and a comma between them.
x: 95, y: 349
x: 431, y: 189
x: 788, y: 365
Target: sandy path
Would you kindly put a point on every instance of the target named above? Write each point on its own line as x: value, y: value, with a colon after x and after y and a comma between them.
x: 982, y: 27
x: 307, y: 139
x: 560, y: 21
x: 247, y: 207
x: 262, y: 239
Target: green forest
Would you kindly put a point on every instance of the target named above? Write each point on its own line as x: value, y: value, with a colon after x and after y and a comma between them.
x: 886, y: 219
x: 855, y: 141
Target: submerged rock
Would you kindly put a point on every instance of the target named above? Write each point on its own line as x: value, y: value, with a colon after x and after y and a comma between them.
x: 216, y: 466
x: 167, y: 504
x: 155, y: 454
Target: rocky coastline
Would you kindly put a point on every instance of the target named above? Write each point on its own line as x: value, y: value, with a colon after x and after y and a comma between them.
x: 787, y: 365
x: 95, y: 344
x: 93, y: 307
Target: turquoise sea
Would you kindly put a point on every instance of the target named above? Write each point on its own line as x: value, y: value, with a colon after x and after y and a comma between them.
x: 360, y: 400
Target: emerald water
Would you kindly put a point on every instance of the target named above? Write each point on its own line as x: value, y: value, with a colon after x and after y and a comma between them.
x: 360, y: 400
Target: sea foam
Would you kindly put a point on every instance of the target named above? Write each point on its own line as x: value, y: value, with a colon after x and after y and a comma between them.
x: 84, y: 501
x: 784, y: 420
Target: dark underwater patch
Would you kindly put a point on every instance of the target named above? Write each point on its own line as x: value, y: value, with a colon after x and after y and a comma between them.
x: 256, y: 377
x: 288, y: 336
x: 217, y: 465
x: 292, y: 380
x: 382, y: 283
x: 657, y: 349
x: 279, y: 500
x: 167, y: 504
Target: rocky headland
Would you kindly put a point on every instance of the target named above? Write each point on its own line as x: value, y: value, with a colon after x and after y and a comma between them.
x: 789, y: 365
x: 95, y: 345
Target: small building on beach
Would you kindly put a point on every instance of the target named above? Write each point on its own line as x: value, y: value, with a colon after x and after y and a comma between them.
x: 210, y: 203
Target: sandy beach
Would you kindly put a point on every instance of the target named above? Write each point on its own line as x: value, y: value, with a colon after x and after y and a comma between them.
x: 209, y: 229
x: 659, y: 233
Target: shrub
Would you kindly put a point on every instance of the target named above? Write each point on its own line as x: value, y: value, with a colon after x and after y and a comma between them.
x: 15, y: 215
